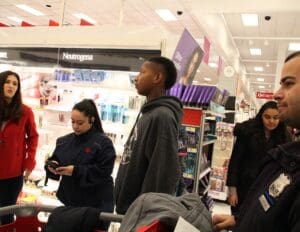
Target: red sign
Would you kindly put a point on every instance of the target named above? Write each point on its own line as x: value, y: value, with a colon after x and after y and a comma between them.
x: 264, y: 95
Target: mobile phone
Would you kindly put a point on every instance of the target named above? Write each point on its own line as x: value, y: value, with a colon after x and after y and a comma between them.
x: 52, y: 164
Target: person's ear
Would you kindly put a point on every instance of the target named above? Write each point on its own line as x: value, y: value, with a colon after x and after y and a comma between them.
x: 158, y: 78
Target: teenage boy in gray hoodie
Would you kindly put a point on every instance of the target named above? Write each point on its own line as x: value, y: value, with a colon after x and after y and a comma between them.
x: 150, y: 161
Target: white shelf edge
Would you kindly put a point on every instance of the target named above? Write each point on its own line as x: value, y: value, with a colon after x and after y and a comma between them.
x: 206, y: 190
x: 206, y: 171
x: 205, y: 143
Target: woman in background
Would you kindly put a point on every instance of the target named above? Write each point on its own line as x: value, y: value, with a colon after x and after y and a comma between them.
x: 18, y: 141
x: 253, y: 138
x: 84, y: 159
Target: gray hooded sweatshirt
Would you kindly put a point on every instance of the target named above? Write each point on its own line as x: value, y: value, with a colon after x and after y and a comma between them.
x: 150, y: 161
x: 166, y: 209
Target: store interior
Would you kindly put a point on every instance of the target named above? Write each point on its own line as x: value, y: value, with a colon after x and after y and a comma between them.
x: 67, y: 50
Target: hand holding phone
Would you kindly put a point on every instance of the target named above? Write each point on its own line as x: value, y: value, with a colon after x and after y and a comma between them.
x: 53, y: 164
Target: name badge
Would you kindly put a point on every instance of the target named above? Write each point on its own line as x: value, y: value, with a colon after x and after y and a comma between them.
x: 277, y: 187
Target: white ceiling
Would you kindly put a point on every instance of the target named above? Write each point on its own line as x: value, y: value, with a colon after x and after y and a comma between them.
x: 271, y: 36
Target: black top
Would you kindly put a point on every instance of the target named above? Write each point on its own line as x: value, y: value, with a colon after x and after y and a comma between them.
x: 93, y: 156
x: 273, y: 202
x: 249, y: 152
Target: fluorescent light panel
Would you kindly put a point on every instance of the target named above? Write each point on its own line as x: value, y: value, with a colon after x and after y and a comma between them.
x: 85, y: 17
x: 15, y: 19
x: 294, y: 46
x: 30, y: 10
x: 207, y: 79
x: 166, y: 15
x: 250, y: 20
x: 261, y: 86
x: 260, y: 79
x: 255, y: 51
x: 258, y: 69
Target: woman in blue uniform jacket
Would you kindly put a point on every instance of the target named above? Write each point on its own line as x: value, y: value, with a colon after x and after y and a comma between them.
x: 84, y: 159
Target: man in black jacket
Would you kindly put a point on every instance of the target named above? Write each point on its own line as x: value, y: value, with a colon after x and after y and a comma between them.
x: 273, y: 202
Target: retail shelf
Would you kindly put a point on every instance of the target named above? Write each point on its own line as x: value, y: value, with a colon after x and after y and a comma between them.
x: 204, y: 173
x: 67, y: 84
x: 209, y: 142
x: 56, y: 107
x: 190, y: 125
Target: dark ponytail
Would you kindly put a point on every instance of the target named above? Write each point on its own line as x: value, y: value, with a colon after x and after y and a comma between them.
x: 88, y: 107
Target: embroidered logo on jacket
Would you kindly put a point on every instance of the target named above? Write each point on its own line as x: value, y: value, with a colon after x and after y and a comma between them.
x: 87, y: 150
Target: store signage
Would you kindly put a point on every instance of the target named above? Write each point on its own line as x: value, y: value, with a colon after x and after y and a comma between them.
x: 264, y: 95
x: 74, y: 56
x: 187, y: 58
x: 3, y: 55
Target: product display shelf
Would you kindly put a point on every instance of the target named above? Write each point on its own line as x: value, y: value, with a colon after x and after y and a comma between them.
x: 199, y: 125
x: 222, y: 152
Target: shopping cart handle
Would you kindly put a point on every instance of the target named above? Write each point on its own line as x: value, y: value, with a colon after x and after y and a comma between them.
x: 25, y: 210
x: 111, y: 217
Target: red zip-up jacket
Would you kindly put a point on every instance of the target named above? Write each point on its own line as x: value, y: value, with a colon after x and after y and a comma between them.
x: 18, y: 144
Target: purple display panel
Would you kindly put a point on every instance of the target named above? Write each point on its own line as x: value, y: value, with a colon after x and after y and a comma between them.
x: 187, y: 58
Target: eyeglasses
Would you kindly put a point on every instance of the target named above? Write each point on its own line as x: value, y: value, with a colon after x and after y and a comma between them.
x: 269, y: 117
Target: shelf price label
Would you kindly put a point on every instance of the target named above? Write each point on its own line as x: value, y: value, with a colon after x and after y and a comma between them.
x: 188, y: 175
x: 190, y: 129
x: 192, y: 150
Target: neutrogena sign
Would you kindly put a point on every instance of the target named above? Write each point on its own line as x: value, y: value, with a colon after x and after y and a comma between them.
x: 79, y: 57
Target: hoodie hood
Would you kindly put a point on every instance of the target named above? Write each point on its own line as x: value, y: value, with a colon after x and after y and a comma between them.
x: 171, y: 102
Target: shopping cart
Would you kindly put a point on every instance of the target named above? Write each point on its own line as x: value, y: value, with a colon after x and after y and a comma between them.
x: 27, y: 219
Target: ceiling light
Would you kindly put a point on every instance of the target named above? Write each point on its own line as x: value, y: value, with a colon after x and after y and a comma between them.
x: 260, y: 79
x: 258, y: 69
x: 207, y: 79
x: 261, y: 86
x: 249, y: 20
x: 30, y: 10
x: 213, y: 65
x: 294, y: 46
x: 166, y: 15
x: 255, y: 51
x: 85, y: 17
x: 268, y: 64
x: 16, y: 19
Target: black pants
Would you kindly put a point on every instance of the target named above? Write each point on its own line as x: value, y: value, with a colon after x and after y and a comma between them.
x: 9, y: 191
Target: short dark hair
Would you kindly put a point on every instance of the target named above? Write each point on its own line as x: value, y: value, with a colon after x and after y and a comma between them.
x: 14, y: 110
x: 88, y: 107
x: 169, y: 69
x: 292, y: 56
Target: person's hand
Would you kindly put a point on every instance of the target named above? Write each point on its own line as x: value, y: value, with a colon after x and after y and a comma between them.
x: 51, y: 168
x: 233, y: 199
x: 65, y: 170
x: 27, y: 173
x: 221, y: 222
